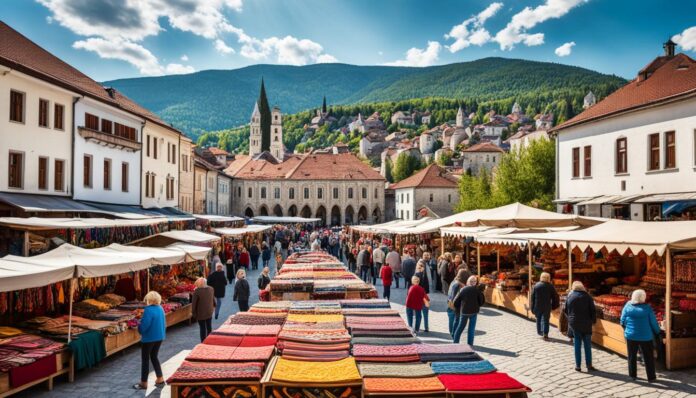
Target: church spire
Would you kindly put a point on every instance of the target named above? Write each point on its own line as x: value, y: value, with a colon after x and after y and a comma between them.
x: 323, y: 106
x: 265, y: 111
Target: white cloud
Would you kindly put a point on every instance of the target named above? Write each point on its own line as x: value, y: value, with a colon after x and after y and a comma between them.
x: 686, y: 39
x: 565, y: 49
x: 471, y: 31
x: 288, y: 50
x: 516, y: 30
x: 223, y: 48
x: 420, y: 57
x: 179, y: 69
x: 184, y: 58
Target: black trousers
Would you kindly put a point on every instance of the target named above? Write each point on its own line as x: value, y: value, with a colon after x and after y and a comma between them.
x: 646, y: 350
x: 230, y: 273
x: 387, y: 292
x: 148, y: 353
x: 243, y: 305
x: 205, y: 326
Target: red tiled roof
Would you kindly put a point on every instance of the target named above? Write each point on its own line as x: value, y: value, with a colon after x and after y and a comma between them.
x: 432, y: 176
x: 484, y: 147
x: 22, y: 54
x: 671, y: 79
x: 217, y: 151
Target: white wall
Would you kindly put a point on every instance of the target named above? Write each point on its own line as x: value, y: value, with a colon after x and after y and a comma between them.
x: 223, y: 195
x: 636, y: 127
x: 163, y: 166
x: 185, y: 164
x: 405, y: 203
x: 100, y: 152
x: 30, y: 139
x: 211, y: 192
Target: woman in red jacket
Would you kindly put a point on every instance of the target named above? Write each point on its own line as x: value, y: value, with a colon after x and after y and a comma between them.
x: 415, y: 300
x: 386, y: 275
x: 244, y: 259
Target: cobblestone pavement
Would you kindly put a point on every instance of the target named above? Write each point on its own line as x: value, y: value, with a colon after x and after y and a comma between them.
x: 508, y: 341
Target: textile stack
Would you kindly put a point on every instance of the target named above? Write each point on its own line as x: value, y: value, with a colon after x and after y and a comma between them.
x: 25, y: 358
x: 314, y: 331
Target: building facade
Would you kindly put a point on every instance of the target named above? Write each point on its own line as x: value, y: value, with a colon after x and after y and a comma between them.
x: 431, y: 187
x: 224, y: 186
x: 186, y: 174
x: 482, y: 155
x: 160, y: 158
x: 199, y: 188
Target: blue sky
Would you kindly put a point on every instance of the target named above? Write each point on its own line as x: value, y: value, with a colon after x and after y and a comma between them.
x: 110, y: 39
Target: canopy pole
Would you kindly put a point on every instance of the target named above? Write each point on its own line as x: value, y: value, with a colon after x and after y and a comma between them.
x: 668, y: 309
x: 570, y: 265
x: 70, y: 309
x: 466, y: 253
x: 497, y: 252
x: 529, y: 273
x: 442, y: 243
x: 25, y: 247
x: 148, y: 280
x: 478, y: 258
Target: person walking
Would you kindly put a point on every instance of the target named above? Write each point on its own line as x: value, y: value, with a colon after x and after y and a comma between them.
x: 408, y: 267
x: 242, y: 291
x: 350, y: 258
x: 385, y: 273
x: 254, y: 254
x: 416, y: 299
x: 394, y: 261
x: 363, y: 262
x: 217, y: 281
x: 422, y: 274
x: 470, y: 299
x: 581, y: 313
x: 244, y: 258
x: 443, y: 269
x: 431, y: 265
x: 264, y: 278
x: 202, y: 307
x: 265, y: 254
x: 544, y: 299
x: 640, y: 328
x: 152, y: 329
x: 378, y: 257
x: 230, y: 270
x: 453, y: 310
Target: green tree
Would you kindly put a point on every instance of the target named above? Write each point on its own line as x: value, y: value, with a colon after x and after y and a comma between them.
x: 444, y: 159
x: 388, y: 166
x: 405, y: 166
x: 475, y: 192
x: 265, y: 111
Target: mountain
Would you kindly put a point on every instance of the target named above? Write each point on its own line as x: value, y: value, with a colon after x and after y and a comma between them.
x: 218, y: 99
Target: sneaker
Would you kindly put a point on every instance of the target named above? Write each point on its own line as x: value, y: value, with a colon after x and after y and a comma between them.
x: 578, y: 370
x: 591, y: 368
x: 546, y: 338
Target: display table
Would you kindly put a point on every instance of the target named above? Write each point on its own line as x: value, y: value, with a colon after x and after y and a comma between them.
x: 609, y: 335
x: 63, y: 366
x: 683, y: 353
x: 182, y: 314
x: 246, y: 389
x: 117, y: 342
x: 511, y: 300
x: 491, y: 394
x: 273, y: 389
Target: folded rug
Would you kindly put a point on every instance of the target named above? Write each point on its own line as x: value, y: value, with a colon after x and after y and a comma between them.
x: 450, y: 348
x: 208, y: 353
x: 395, y: 370
x: 257, y: 341
x: 470, y: 368
x: 216, y: 371
x: 464, y: 357
x: 385, y: 351
x: 248, y: 354
x: 495, y: 381
x: 402, y: 385
x: 315, y: 318
x: 343, y: 371
x: 224, y: 340
x: 384, y: 340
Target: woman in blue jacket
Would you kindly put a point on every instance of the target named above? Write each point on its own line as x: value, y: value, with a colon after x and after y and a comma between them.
x: 640, y: 327
x: 152, y: 330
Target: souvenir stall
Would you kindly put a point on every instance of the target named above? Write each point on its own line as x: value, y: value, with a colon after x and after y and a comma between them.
x: 208, y: 222
x: 245, y: 235
x: 272, y: 220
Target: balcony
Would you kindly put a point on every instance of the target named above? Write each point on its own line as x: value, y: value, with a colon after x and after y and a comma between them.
x: 110, y: 140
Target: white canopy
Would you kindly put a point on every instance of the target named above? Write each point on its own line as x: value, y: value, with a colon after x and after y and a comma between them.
x: 216, y: 218
x: 192, y: 251
x: 522, y: 216
x: 248, y: 229
x: 284, y: 220
x: 15, y: 275
x: 170, y: 237
x: 74, y: 223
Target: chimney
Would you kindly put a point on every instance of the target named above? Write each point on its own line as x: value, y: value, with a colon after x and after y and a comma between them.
x: 669, y: 47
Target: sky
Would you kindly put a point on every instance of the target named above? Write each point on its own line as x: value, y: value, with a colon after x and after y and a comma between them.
x: 110, y: 39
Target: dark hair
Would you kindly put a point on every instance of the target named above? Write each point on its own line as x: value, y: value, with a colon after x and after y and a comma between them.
x: 462, y: 276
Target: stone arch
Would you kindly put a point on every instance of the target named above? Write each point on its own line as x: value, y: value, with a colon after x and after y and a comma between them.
x: 335, y: 215
x: 306, y: 212
x: 349, y: 215
x: 376, y: 215
x: 263, y: 210
x: 321, y: 214
x: 249, y: 213
x: 277, y: 211
x: 362, y: 214
x: 292, y: 211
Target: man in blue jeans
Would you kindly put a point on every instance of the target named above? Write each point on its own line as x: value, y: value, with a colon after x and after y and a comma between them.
x: 582, y: 314
x: 218, y: 282
x: 469, y: 299
x: 544, y: 298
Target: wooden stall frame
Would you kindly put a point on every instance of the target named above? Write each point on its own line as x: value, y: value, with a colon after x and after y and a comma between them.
x: 267, y: 382
x: 67, y: 367
x: 176, y: 386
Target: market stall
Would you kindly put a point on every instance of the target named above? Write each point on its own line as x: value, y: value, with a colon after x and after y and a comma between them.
x: 207, y: 222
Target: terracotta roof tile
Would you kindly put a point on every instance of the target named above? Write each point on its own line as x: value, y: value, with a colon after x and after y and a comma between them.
x: 484, y: 147
x: 432, y: 176
x: 670, y: 79
x: 217, y: 151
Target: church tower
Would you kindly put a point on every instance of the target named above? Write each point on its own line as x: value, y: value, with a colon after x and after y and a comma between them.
x: 460, y: 117
x: 255, y: 131
x: 277, y: 148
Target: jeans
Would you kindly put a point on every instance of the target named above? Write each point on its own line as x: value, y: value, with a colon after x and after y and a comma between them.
x: 542, y: 323
x: 425, y: 317
x: 375, y: 272
x: 218, y: 304
x: 646, y: 351
x: 243, y: 305
x: 580, y: 340
x: 148, y: 353
x: 453, y: 318
x: 387, y: 292
x: 463, y: 320
x: 364, y: 273
x: 434, y: 278
x: 396, y: 278
x: 266, y: 261
x: 410, y: 312
x: 255, y: 262
x: 407, y: 283
x: 205, y: 326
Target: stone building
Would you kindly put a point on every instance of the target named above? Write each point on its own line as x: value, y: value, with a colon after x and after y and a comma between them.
x: 482, y: 155
x: 431, y: 187
x: 337, y: 188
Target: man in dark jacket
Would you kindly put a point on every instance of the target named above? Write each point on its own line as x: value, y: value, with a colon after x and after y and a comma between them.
x: 254, y: 253
x: 363, y: 262
x: 202, y: 307
x: 581, y: 312
x: 408, y: 268
x: 544, y: 299
x: 469, y: 300
x: 242, y: 291
x: 217, y: 281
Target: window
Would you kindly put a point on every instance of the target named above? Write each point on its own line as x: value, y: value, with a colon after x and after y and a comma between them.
x: 291, y: 193
x: 350, y: 193
x: 263, y: 192
x: 91, y: 122
x: 173, y: 154
x: 43, y: 173
x: 147, y: 146
x: 402, y: 214
x: 276, y: 193
x: 335, y: 193
x: 125, y: 132
x: 320, y: 193
x: 408, y: 198
x: 249, y: 193
x: 170, y: 188
x: 154, y: 148
x: 588, y: 161
x: 431, y: 198
x: 654, y: 155
x: 87, y: 171
x: 169, y: 152
x: 364, y: 193
x: 576, y: 162
x: 147, y: 185
x: 449, y: 198
x: 43, y: 113
x: 124, y: 177
x: 306, y: 193
x: 58, y: 117
x: 239, y: 192
x: 184, y: 163
x: 621, y: 156
x: 16, y: 107
x: 376, y: 193
x: 16, y: 170
x: 670, y: 150
x: 59, y: 175
x: 107, y: 174
x: 152, y: 185
x: 107, y: 126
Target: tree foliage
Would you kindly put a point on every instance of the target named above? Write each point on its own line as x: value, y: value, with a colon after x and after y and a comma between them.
x: 405, y: 166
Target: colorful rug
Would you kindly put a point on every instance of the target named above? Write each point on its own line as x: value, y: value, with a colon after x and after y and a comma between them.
x: 495, y: 381
x: 467, y: 368
x: 208, y: 353
x: 216, y: 371
x: 343, y: 371
x: 384, y: 341
x: 410, y: 370
x: 257, y: 341
x: 402, y: 385
x: 224, y: 340
x: 227, y: 391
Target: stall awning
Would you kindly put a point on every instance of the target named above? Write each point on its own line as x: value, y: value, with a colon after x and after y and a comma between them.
x: 216, y: 218
x: 462, y: 232
x: 128, y: 212
x: 249, y: 229
x: 572, y: 200
x: 40, y: 223
x: 600, y: 200
x: 667, y: 197
x: 171, y: 213
x: 16, y: 275
x: 167, y: 238
x: 46, y: 203
x: 284, y: 220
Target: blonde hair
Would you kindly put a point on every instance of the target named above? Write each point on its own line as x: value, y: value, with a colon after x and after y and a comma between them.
x: 578, y: 286
x: 545, y: 277
x: 415, y: 280
x: 152, y: 298
x: 472, y: 281
x: 638, y: 296
x: 242, y: 273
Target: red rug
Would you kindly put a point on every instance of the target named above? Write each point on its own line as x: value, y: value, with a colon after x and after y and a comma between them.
x: 258, y: 341
x: 496, y: 381
x: 224, y: 340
